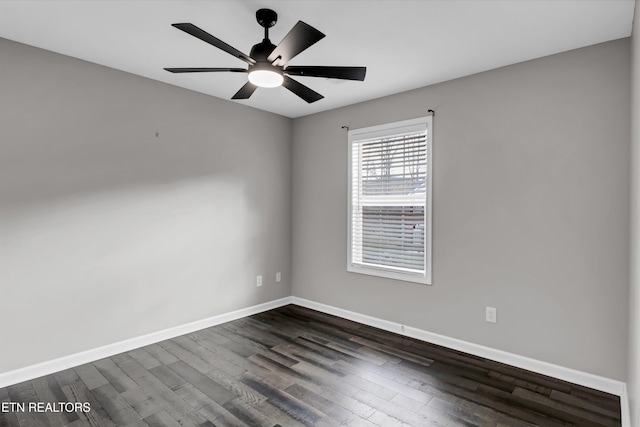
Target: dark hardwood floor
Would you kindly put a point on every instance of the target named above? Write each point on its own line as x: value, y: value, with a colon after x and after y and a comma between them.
x: 293, y: 366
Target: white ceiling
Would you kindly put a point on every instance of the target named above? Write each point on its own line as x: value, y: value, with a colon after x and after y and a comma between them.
x: 403, y: 44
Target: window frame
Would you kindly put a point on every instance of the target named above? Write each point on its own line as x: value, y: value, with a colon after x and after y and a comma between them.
x: 380, y: 131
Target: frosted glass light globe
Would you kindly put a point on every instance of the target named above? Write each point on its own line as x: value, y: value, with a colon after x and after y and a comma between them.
x: 265, y: 78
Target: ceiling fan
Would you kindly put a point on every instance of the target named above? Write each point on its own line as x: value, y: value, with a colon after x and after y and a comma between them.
x: 267, y: 62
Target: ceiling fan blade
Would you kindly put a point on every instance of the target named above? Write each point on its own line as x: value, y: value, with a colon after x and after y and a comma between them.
x: 206, y: 37
x: 297, y: 40
x: 204, y: 70
x: 345, y: 73
x: 301, y: 90
x: 245, y: 91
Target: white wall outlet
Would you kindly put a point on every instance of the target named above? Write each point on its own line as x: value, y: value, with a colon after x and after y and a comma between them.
x: 259, y: 281
x: 278, y: 277
x: 492, y: 315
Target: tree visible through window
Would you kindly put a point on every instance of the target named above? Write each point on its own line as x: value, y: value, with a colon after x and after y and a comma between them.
x: 390, y: 201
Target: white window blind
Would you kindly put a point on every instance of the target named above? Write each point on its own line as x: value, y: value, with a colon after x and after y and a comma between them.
x: 390, y: 183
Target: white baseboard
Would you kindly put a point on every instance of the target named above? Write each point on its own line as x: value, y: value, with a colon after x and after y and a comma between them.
x: 585, y: 379
x: 66, y: 362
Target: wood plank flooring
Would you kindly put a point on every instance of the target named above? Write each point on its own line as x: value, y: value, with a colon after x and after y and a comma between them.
x: 296, y: 367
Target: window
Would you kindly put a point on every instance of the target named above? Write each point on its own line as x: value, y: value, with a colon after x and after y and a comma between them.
x: 390, y: 200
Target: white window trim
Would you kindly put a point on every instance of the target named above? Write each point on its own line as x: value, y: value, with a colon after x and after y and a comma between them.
x: 373, y: 132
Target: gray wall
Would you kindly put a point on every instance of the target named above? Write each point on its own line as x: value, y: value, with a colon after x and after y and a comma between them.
x: 634, y: 318
x: 108, y: 232
x: 531, y: 210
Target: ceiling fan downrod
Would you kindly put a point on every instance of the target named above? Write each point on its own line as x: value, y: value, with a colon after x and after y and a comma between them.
x: 267, y: 18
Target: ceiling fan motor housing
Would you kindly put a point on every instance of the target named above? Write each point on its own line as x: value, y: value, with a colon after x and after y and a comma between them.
x: 262, y: 50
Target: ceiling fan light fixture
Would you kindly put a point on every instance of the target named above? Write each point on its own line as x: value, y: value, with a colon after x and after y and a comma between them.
x: 265, y: 78
x: 267, y: 61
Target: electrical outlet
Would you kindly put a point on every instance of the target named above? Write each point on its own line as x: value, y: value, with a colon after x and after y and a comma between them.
x: 278, y: 277
x: 259, y: 281
x: 492, y: 315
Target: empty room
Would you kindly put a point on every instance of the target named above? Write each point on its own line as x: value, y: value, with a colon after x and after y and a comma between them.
x: 320, y: 213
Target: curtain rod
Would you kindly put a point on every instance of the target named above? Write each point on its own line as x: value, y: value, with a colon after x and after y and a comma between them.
x: 433, y: 114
